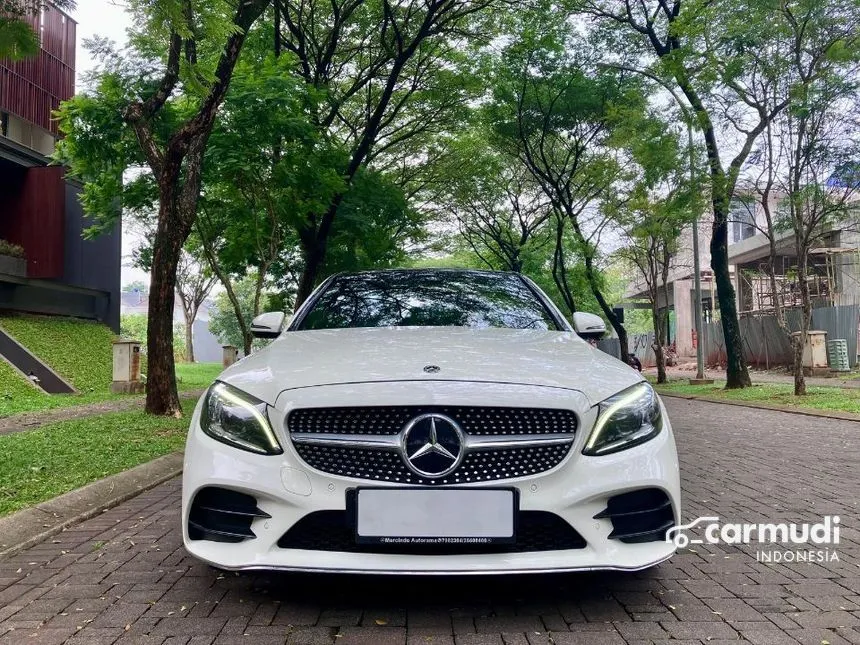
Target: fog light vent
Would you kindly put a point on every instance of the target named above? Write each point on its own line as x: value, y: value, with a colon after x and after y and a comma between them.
x: 222, y: 515
x: 639, y: 516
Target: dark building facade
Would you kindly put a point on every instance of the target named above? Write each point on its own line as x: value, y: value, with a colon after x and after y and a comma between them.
x: 40, y: 210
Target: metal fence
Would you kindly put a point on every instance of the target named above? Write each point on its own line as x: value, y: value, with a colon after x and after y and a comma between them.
x: 766, y: 345
x: 611, y: 346
x: 642, y: 346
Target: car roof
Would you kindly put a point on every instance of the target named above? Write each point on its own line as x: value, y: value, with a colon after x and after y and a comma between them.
x: 427, y: 270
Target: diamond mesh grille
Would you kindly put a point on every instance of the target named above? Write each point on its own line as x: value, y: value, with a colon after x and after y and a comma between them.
x: 473, y: 420
x: 478, y: 466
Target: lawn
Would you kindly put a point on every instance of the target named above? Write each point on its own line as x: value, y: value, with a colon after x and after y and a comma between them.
x: 16, y: 395
x: 81, y: 352
x: 834, y: 399
x: 38, y: 465
x: 196, y: 376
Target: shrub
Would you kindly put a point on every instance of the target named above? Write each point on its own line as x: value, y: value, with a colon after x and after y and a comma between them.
x: 7, y: 248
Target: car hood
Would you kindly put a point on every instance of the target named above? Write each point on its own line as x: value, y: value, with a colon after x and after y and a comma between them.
x: 527, y: 357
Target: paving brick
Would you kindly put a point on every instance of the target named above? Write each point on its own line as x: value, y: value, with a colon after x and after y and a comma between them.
x: 311, y: 636
x: 132, y: 589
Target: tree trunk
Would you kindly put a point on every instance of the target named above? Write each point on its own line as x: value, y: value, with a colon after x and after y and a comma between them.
x: 313, y: 251
x: 607, y: 310
x: 737, y: 375
x: 805, y: 320
x: 659, y: 340
x: 189, y: 338
x: 559, y: 271
x: 161, y: 394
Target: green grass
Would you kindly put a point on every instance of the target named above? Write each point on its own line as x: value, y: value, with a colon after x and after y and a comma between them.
x: 78, y: 350
x: 38, y: 465
x: 834, y: 399
x: 15, y: 391
x: 196, y: 376
x: 81, y: 352
x: 16, y: 395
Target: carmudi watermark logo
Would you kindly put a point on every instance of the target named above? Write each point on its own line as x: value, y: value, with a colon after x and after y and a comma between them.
x: 776, y: 542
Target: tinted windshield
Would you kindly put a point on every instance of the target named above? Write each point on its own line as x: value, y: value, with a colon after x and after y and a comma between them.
x: 428, y: 298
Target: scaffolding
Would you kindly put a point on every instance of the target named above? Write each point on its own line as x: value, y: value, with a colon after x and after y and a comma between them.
x: 825, y: 271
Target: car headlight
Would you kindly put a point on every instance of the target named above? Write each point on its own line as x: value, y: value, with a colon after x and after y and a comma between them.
x: 625, y: 420
x: 238, y: 419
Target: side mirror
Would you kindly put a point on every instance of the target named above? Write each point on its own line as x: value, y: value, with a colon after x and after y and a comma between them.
x: 588, y: 325
x: 268, y: 325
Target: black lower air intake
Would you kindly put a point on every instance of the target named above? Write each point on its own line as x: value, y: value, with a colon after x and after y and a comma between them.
x: 639, y: 516
x: 222, y: 515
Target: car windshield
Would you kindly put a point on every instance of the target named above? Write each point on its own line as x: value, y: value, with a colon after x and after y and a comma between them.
x: 428, y: 298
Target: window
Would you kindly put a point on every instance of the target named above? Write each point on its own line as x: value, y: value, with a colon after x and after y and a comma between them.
x: 429, y: 298
x: 741, y: 220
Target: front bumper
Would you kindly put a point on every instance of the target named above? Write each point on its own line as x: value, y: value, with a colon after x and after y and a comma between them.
x: 287, y: 490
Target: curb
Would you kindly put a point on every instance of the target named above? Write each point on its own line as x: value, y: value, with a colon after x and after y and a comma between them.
x: 841, y: 416
x: 37, y: 523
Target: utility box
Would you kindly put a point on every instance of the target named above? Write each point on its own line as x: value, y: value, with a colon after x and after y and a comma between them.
x: 231, y: 355
x: 814, y: 352
x: 126, y: 367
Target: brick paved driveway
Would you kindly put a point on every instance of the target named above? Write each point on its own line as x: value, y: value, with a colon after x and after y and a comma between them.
x: 124, y: 578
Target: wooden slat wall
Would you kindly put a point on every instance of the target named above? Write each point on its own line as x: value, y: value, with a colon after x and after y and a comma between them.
x: 32, y: 89
x: 34, y: 216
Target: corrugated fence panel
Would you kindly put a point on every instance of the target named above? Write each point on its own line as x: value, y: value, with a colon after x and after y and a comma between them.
x: 641, y: 345
x: 839, y: 322
x: 765, y: 343
x: 611, y: 346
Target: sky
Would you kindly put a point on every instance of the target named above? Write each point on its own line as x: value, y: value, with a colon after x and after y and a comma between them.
x: 105, y: 18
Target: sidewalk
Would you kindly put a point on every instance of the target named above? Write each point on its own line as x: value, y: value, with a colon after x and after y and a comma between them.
x: 684, y: 372
x: 32, y: 420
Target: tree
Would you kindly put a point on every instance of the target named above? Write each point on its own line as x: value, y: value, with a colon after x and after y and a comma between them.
x: 257, y: 196
x: 18, y: 39
x: 391, y: 75
x: 224, y: 323
x: 660, y: 197
x: 556, y: 116
x: 720, y: 55
x: 501, y: 212
x: 654, y: 230
x: 194, y: 281
x: 169, y: 105
x: 809, y: 173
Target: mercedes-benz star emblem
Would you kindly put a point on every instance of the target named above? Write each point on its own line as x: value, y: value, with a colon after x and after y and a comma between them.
x: 432, y: 445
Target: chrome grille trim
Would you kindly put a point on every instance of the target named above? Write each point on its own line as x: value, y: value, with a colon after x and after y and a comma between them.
x: 392, y: 442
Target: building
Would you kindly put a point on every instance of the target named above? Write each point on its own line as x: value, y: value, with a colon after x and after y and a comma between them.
x: 833, y: 267
x: 834, y: 272
x: 681, y: 291
x: 63, y: 273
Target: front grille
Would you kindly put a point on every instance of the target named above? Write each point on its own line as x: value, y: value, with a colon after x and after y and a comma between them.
x: 330, y: 440
x: 333, y: 531
x: 380, y: 465
x: 389, y: 420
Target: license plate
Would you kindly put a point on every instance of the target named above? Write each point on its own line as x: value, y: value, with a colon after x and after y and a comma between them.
x: 435, y: 516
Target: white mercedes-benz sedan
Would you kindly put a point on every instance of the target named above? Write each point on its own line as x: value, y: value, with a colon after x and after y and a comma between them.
x: 430, y: 422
